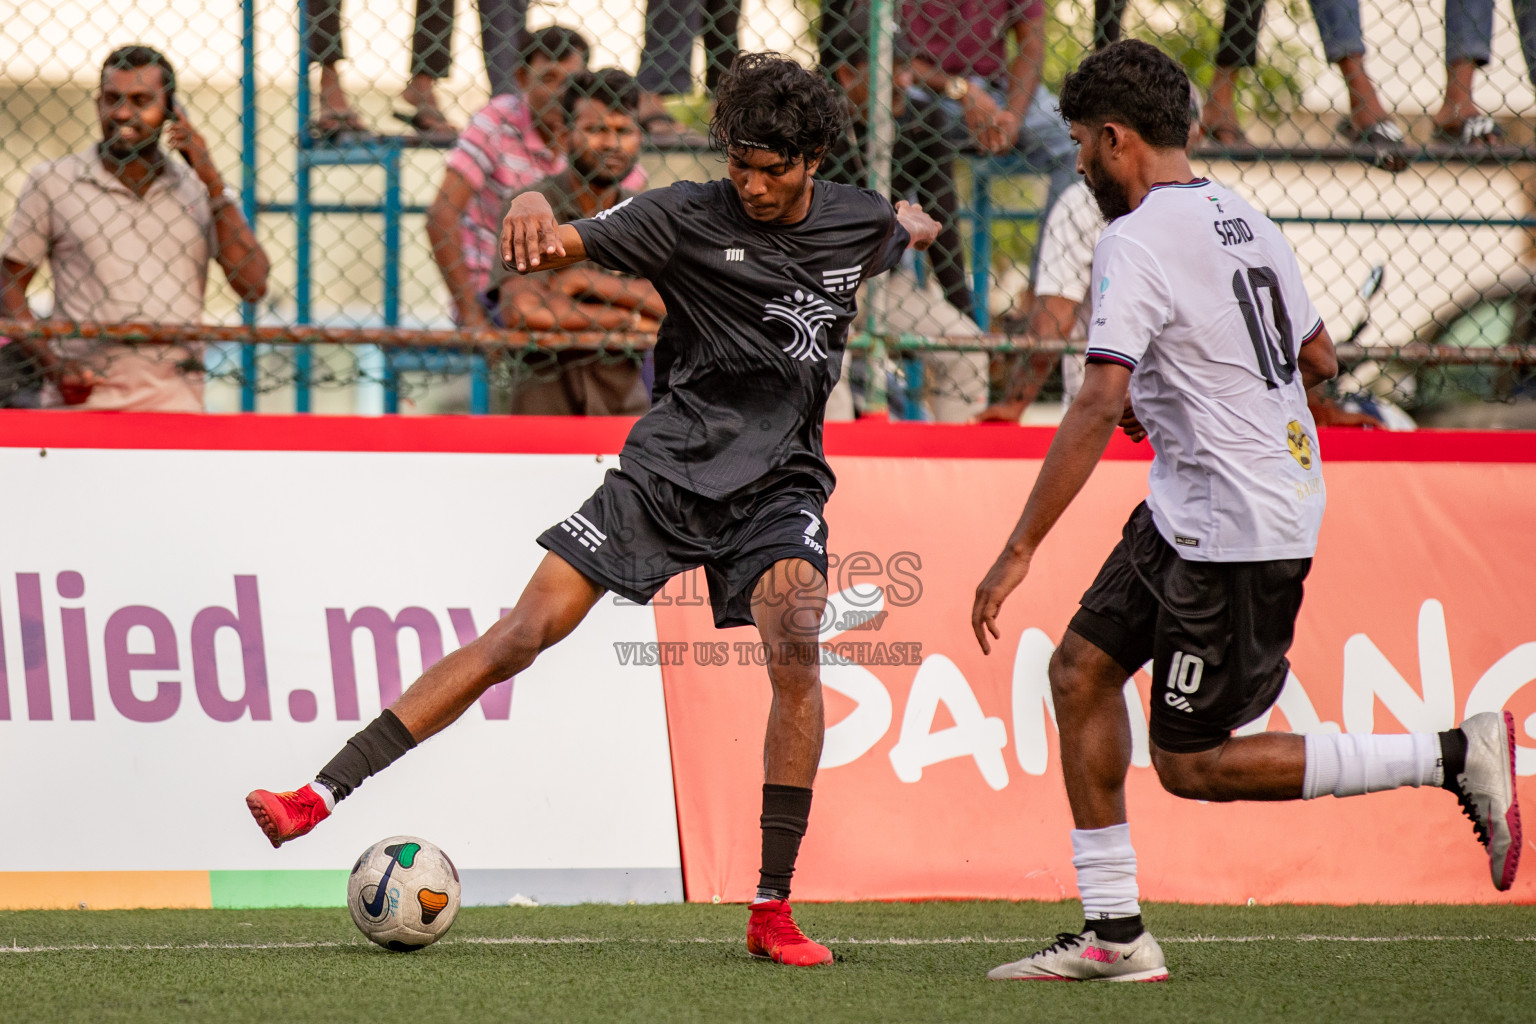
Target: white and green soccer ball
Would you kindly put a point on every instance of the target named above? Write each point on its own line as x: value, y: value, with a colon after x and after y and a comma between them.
x: 403, y: 893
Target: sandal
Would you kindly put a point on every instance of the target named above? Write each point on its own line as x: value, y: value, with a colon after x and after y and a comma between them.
x: 430, y: 124
x: 1225, y: 133
x: 1382, y: 144
x: 1479, y: 129
x: 338, y: 127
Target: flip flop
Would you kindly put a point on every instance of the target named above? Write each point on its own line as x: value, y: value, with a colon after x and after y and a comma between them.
x: 1479, y: 129
x: 1225, y: 134
x: 336, y: 127
x: 430, y: 124
x: 1382, y: 142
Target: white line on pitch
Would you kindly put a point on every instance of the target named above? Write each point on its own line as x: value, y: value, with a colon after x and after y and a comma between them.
x: 578, y: 940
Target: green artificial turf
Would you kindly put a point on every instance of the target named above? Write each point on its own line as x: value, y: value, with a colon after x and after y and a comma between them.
x: 669, y: 963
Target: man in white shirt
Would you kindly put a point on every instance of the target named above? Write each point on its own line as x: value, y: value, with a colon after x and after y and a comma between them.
x: 1200, y: 317
x: 1059, y: 310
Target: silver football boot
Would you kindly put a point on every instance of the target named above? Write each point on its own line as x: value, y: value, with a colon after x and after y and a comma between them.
x: 1486, y: 790
x: 1087, y: 957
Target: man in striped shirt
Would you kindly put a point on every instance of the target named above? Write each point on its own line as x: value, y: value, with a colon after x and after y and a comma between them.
x: 507, y: 146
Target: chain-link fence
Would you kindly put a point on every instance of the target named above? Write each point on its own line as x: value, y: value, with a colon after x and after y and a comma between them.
x: 343, y: 170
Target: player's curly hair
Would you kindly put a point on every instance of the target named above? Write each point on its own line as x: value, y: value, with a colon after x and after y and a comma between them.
x: 1135, y: 84
x: 767, y: 101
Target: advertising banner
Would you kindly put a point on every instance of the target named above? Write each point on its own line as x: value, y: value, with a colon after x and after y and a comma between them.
x: 940, y: 775
x: 186, y: 614
x: 178, y: 627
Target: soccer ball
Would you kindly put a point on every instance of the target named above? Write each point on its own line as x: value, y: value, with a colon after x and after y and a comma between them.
x: 403, y: 893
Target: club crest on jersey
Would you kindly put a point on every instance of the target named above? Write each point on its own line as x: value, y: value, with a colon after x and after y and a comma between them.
x: 1300, y: 443
x: 807, y: 316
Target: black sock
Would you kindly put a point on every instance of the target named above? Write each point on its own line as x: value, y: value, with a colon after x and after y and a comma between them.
x: 786, y: 810
x: 1116, y: 929
x: 367, y: 753
x: 1453, y: 757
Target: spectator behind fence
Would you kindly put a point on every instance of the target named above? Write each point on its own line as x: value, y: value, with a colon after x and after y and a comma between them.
x: 928, y: 138
x: 1059, y: 312
x: 1063, y: 299
x: 1468, y: 46
x: 127, y: 232
x: 926, y: 143
x: 600, y: 137
x: 671, y: 26
x: 507, y: 146
x: 961, y: 51
x: 502, y: 27
x: 1338, y: 22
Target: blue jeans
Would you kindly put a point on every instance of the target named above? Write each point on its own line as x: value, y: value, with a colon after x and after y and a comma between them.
x: 1469, y: 31
x: 1338, y: 22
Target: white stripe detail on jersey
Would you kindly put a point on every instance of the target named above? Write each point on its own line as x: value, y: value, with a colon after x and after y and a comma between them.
x: 587, y: 523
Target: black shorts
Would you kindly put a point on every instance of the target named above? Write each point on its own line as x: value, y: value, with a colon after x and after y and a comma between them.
x: 639, y: 529
x: 1216, y: 632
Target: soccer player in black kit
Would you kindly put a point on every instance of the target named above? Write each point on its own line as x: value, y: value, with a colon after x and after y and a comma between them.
x: 726, y: 471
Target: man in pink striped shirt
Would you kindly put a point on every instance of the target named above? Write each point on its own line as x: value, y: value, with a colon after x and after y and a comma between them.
x: 506, y: 147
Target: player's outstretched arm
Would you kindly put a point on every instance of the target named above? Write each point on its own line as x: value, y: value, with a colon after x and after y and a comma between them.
x: 1080, y: 441
x: 922, y: 228
x: 531, y: 240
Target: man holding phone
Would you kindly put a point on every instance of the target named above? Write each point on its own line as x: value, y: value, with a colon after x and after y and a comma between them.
x: 127, y: 233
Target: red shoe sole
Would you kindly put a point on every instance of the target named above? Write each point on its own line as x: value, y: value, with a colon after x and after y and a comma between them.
x: 1512, y: 816
x: 258, y: 808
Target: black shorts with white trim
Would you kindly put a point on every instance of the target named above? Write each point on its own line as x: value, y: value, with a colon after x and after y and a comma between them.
x: 1217, y: 633
x: 639, y: 529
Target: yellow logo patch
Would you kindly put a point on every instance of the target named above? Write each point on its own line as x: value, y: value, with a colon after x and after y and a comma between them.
x: 1300, y: 443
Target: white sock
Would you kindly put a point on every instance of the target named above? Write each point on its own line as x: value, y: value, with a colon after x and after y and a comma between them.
x: 1106, y: 871
x: 324, y: 793
x: 1348, y: 764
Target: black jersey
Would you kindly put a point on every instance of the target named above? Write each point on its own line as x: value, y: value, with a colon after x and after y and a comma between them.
x: 757, y: 318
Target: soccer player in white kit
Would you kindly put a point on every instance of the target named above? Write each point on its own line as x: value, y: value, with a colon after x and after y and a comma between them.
x: 1202, y: 337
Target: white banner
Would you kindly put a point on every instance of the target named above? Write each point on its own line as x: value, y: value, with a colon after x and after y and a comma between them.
x: 181, y: 627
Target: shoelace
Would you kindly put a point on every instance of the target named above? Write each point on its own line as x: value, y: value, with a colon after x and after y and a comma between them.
x: 1469, y: 808
x: 783, y: 930
x: 299, y: 807
x: 1064, y: 941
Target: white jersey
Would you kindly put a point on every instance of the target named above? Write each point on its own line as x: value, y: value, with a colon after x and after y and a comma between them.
x: 1200, y: 295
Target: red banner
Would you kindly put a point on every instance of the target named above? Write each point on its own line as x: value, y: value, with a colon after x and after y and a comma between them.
x: 941, y: 775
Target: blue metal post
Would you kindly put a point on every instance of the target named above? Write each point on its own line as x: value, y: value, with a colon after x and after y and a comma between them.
x: 301, y: 216
x: 981, y: 239
x: 479, y: 386
x: 391, y: 270
x: 248, y: 116
x: 392, y: 237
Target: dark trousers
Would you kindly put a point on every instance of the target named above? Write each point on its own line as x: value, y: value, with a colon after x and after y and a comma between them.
x: 502, y: 25
x: 671, y: 26
x: 1239, y: 30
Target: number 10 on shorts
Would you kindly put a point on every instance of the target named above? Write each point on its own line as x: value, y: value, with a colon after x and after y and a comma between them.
x: 1184, y: 671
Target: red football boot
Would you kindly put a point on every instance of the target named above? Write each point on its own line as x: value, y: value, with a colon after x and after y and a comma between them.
x: 773, y: 934
x: 285, y: 816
